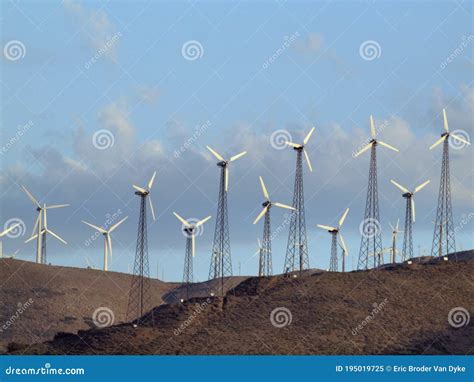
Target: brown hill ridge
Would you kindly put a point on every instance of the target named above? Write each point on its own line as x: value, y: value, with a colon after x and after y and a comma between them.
x: 398, y: 310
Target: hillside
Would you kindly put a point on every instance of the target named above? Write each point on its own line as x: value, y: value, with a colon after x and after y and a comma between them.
x: 400, y: 310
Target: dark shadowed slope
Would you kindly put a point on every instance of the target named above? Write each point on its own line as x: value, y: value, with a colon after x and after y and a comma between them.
x: 403, y: 310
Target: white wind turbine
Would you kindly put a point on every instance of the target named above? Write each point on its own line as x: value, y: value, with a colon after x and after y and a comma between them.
x: 107, y: 239
x: 298, y: 146
x: 373, y: 140
x: 145, y: 192
x: 393, y: 249
x: 335, y: 232
x: 446, y: 134
x: 225, y: 163
x: 5, y: 232
x: 41, y: 226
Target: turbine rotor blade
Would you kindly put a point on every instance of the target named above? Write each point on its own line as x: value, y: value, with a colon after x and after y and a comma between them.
x: 372, y: 127
x: 151, y: 208
x: 56, y: 206
x: 421, y: 186
x: 32, y: 198
x: 296, y: 145
x: 260, y: 214
x: 341, y: 239
x: 31, y: 238
x: 201, y: 222
x: 217, y: 155
x: 140, y: 189
x: 399, y: 186
x: 226, y: 175
x: 36, y: 223
x: 9, y: 229
x: 308, y: 161
x: 264, y: 189
x: 235, y: 157
x: 398, y: 221
x: 45, y: 218
x: 117, y: 224
x: 109, y: 243
x: 461, y: 139
x: 182, y: 220
x: 343, y: 217
x: 281, y: 205
x: 327, y: 227
x: 306, y: 139
x: 388, y: 146
x: 101, y: 230
x: 364, y: 149
x: 391, y: 227
x: 152, y: 179
x: 56, y: 236
x: 413, y: 209
x: 438, y: 142
x: 445, y: 121
x: 193, y: 244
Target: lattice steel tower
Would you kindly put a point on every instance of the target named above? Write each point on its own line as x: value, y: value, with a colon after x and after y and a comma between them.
x: 333, y: 263
x: 139, y: 302
x: 407, y: 252
x: 371, y: 241
x: 444, y: 241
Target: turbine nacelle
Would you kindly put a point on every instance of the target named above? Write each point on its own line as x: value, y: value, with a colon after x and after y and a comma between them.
x: 300, y: 147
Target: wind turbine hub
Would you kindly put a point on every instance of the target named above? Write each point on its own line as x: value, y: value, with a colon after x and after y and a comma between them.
x: 407, y: 195
x: 222, y: 163
x: 299, y: 148
x: 139, y: 193
x: 445, y: 134
x: 189, y: 230
x: 266, y: 203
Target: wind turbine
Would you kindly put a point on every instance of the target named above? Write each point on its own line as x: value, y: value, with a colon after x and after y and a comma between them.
x: 395, y: 232
x: 373, y: 242
x: 107, y: 239
x: 41, y: 227
x: 444, y: 211
x: 221, y: 264
x: 5, y: 232
x: 297, y: 247
x: 335, y: 232
x: 189, y: 230
x: 265, y: 263
x: 409, y: 217
x: 139, y: 299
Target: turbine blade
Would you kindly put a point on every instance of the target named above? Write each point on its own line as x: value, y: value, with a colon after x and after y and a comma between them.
x: 45, y: 218
x: 343, y: 243
x: 306, y: 139
x: 308, y: 161
x: 445, y: 120
x: 281, y: 205
x: 391, y: 227
x: 413, y: 209
x: 296, y: 145
x: 327, y: 227
x: 101, y: 230
x: 140, y: 189
x: 182, y: 220
x: 117, y: 224
x: 421, y: 186
x: 31, y: 238
x: 372, y: 127
x: 217, y: 155
x: 399, y: 186
x: 260, y: 215
x: 438, y: 142
x: 56, y: 206
x: 109, y: 244
x: 193, y: 244
x: 259, y: 242
x: 152, y: 179
x: 56, y: 236
x: 461, y: 139
x: 201, y: 222
x: 226, y: 175
x: 9, y: 229
x: 388, y: 146
x: 36, y: 224
x: 364, y: 149
x: 235, y: 157
x: 398, y: 221
x: 264, y: 189
x: 151, y: 208
x: 343, y: 217
x: 32, y: 198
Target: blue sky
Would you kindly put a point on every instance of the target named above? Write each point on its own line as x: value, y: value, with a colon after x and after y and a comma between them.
x: 151, y: 96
